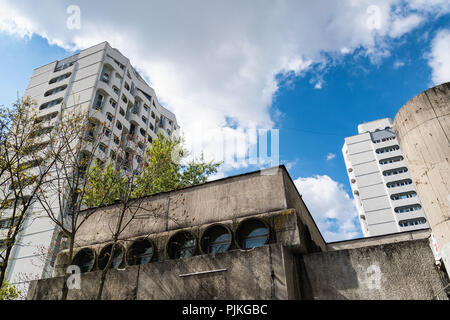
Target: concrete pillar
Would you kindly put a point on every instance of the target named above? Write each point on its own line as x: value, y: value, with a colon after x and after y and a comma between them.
x: 423, y: 130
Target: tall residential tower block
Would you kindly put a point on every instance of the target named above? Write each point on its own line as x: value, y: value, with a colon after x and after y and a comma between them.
x: 384, y: 193
x: 101, y: 81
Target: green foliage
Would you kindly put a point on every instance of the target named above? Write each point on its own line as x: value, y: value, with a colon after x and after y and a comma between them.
x: 197, y: 171
x: 162, y: 172
x: 105, y: 185
x: 8, y: 291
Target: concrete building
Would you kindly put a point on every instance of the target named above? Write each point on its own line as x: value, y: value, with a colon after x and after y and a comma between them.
x: 243, y: 237
x: 384, y: 193
x: 423, y: 129
x: 101, y: 80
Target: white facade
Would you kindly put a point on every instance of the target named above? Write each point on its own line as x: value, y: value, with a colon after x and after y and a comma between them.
x: 382, y: 187
x: 102, y: 80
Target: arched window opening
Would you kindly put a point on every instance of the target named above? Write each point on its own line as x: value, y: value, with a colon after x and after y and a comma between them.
x: 181, y: 245
x: 140, y: 252
x: 85, y: 259
x: 216, y: 239
x: 252, y: 233
x: 105, y: 253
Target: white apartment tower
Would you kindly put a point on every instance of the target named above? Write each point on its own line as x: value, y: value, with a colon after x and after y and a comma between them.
x: 101, y: 80
x: 382, y: 187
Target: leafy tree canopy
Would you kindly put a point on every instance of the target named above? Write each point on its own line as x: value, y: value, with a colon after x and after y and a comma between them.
x: 162, y: 171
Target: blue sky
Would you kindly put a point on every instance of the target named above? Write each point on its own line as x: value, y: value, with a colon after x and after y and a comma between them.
x: 312, y: 72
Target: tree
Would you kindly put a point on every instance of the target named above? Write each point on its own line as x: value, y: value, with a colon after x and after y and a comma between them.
x: 79, y: 138
x: 165, y: 169
x: 161, y: 172
x: 24, y: 167
x: 8, y: 291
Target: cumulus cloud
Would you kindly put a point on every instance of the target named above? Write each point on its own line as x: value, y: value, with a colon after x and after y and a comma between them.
x: 210, y: 61
x: 331, y: 207
x: 402, y: 25
x: 215, y: 63
x: 330, y: 156
x: 398, y: 64
x: 439, y: 57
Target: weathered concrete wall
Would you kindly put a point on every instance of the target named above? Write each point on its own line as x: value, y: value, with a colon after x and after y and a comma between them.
x: 383, y: 239
x: 283, y: 226
x: 266, y: 272
x: 216, y: 201
x: 311, y: 236
x: 403, y: 270
x: 423, y: 129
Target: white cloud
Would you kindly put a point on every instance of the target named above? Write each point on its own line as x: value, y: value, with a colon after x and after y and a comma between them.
x: 330, y: 156
x: 291, y: 164
x: 398, y: 64
x: 211, y: 60
x: 318, y: 85
x: 402, y: 25
x: 439, y: 57
x: 436, y: 7
x: 331, y: 207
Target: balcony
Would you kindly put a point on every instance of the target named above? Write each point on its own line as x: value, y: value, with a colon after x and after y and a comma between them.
x: 396, y: 177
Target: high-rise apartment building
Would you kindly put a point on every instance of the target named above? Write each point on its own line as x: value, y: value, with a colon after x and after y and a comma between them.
x: 384, y: 193
x: 102, y: 81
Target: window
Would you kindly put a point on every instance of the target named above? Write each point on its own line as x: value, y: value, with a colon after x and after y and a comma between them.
x: 412, y: 222
x: 113, y: 103
x: 395, y: 171
x: 124, y: 99
x: 109, y: 116
x: 384, y: 139
x: 116, y: 90
x: 119, y: 125
x: 387, y: 149
x: 116, y: 140
x: 55, y: 90
x: 64, y: 66
x: 135, y: 107
x: 5, y: 223
x: 105, y: 253
x: 252, y: 233
x: 144, y: 119
x: 406, y: 195
x: 102, y: 147
x: 50, y: 104
x: 62, y: 77
x: 153, y: 115
x: 149, y: 139
x: 410, y: 208
x: 85, y: 259
x: 142, y: 131
x: 47, y: 117
x: 98, y: 102
x: 181, y: 245
x: 146, y: 108
x: 140, y: 252
x: 122, y: 112
x: 105, y: 77
x: 126, y: 86
x: 216, y: 239
x: 399, y: 183
x: 391, y: 160
x: 141, y: 146
x: 151, y: 127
